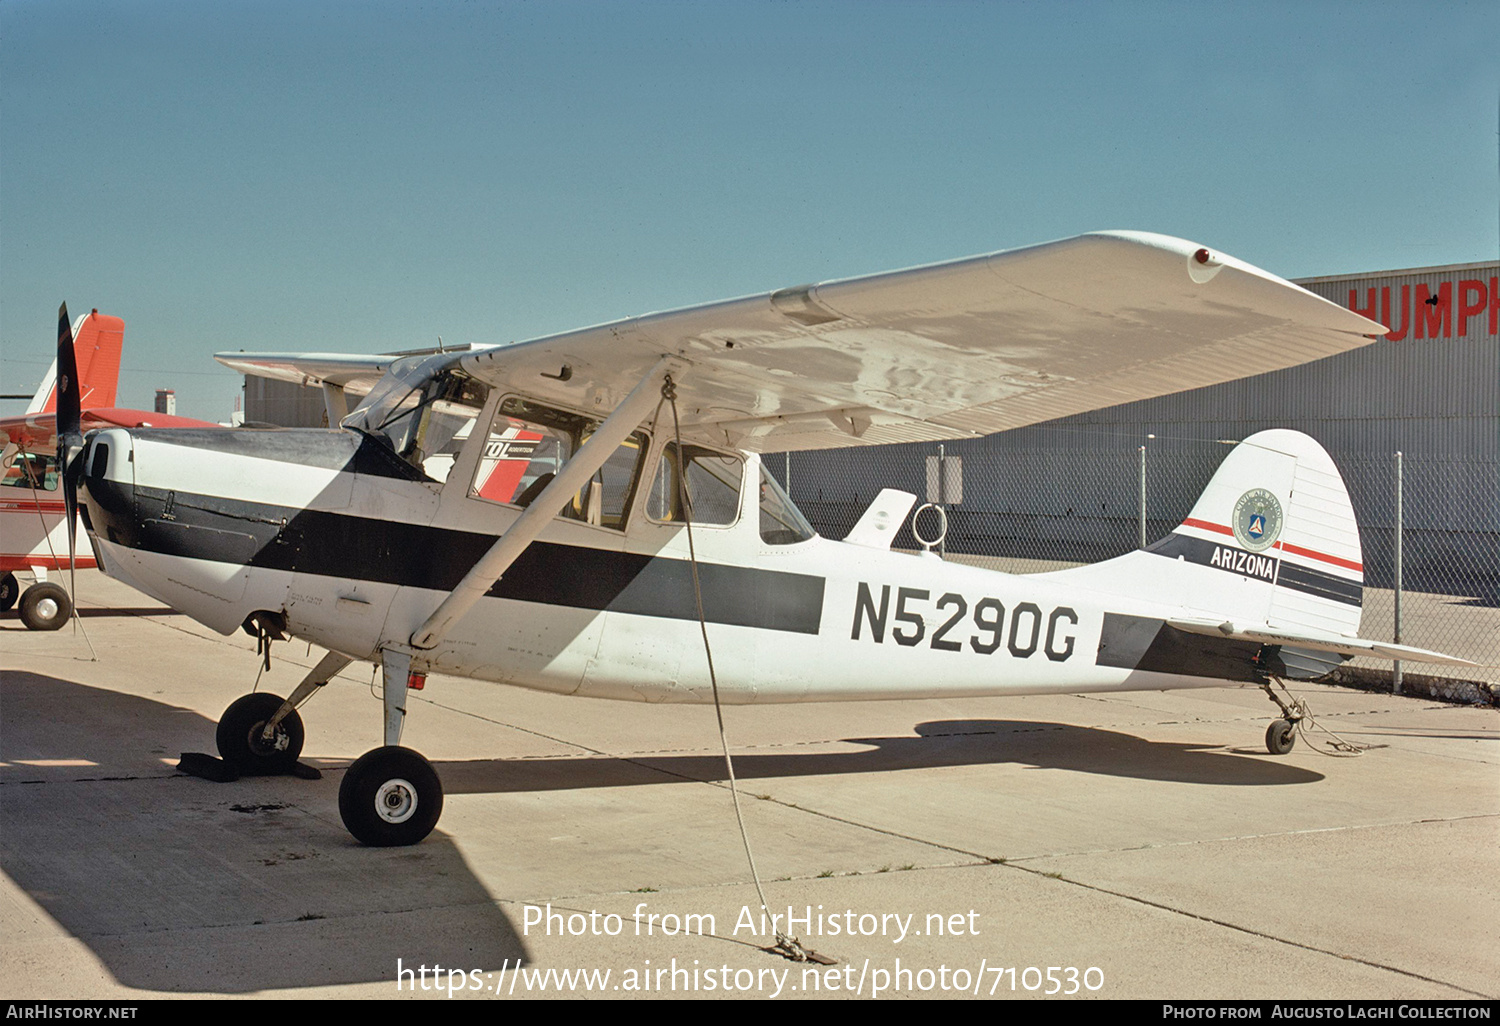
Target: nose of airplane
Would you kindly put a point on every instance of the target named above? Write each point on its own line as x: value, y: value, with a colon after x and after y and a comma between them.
x: 106, y: 478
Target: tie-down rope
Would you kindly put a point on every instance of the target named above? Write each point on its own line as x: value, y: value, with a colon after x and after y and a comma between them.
x: 788, y: 947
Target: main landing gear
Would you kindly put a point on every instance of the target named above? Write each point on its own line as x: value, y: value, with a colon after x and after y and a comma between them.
x: 261, y: 734
x: 44, y: 606
x: 390, y: 797
x: 1281, y: 735
x: 252, y: 749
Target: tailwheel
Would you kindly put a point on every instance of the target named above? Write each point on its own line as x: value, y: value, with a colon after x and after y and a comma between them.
x: 242, y: 736
x: 1280, y: 737
x: 45, y: 607
x: 1282, y: 733
x: 390, y: 797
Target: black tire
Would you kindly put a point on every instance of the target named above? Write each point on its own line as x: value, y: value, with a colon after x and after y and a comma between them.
x: 390, y: 797
x: 45, y: 606
x: 239, y: 736
x: 1280, y: 736
x: 10, y: 590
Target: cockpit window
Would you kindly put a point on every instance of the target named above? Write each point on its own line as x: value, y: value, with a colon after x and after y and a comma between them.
x: 781, y: 522
x: 528, y: 444
x: 32, y: 470
x: 710, y: 486
x: 418, y: 408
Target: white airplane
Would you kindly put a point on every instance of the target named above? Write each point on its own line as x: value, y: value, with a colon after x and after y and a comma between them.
x: 587, y: 513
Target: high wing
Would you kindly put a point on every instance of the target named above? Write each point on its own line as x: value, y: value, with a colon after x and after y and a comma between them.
x: 355, y: 374
x: 339, y: 375
x: 950, y: 350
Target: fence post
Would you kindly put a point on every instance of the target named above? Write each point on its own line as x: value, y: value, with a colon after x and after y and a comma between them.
x: 1143, y: 497
x: 1396, y: 671
x: 942, y: 483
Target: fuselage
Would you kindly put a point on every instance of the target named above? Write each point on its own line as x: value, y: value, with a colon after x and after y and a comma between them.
x: 352, y: 549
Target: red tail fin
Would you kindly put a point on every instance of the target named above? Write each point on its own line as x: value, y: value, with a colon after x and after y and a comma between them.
x: 97, y: 342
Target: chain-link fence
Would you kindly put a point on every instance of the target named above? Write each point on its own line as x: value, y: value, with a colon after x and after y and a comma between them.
x: 1045, y: 498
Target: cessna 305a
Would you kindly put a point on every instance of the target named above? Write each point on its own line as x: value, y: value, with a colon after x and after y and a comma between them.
x: 567, y: 513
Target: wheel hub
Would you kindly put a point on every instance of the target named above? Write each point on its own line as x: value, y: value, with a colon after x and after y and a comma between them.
x: 396, y: 801
x: 262, y: 745
x: 46, y: 608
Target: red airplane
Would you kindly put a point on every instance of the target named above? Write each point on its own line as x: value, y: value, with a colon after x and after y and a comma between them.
x: 33, y: 520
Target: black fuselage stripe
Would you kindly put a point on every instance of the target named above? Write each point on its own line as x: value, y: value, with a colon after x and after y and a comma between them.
x: 1260, y: 566
x: 341, y: 545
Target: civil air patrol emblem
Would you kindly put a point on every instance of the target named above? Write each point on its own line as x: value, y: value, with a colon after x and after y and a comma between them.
x: 1257, y: 520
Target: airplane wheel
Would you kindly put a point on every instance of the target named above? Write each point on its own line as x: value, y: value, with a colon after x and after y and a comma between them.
x: 1280, y: 736
x: 390, y: 797
x: 240, y: 742
x: 10, y: 590
x: 45, y: 606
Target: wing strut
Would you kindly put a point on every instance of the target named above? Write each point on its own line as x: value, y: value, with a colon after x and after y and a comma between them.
x: 576, y: 473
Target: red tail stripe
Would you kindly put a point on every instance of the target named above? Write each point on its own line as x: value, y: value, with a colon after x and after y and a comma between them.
x: 1296, y: 550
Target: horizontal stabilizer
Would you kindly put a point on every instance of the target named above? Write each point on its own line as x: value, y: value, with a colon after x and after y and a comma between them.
x: 1320, y: 642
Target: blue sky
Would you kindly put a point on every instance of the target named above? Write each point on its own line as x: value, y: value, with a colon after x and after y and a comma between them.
x: 368, y: 176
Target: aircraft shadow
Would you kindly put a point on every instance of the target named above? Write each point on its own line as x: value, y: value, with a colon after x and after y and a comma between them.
x: 12, y: 618
x: 1036, y: 745
x: 178, y: 884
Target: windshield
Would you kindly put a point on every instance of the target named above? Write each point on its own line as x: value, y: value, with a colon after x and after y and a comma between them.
x: 420, y: 405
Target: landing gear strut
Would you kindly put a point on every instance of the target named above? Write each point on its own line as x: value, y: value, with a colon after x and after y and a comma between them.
x: 1281, y: 735
x: 391, y: 796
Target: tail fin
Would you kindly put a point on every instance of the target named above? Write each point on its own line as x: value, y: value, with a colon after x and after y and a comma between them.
x: 1271, y: 541
x: 1277, y: 511
x: 97, y: 343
